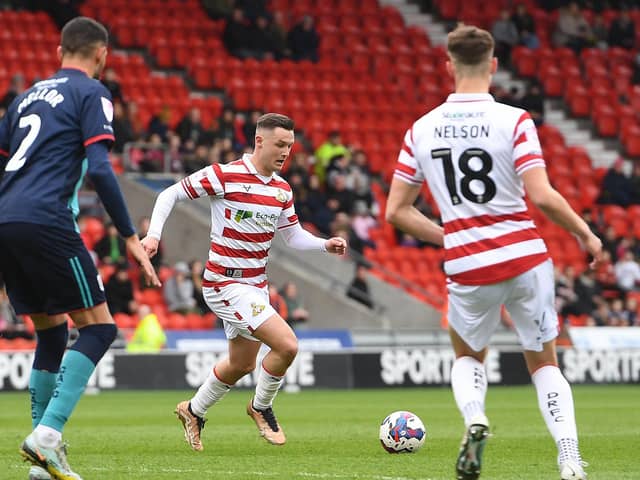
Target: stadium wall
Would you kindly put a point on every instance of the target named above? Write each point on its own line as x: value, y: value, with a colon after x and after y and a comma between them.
x: 384, y: 368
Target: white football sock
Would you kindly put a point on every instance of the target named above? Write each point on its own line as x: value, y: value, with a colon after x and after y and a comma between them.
x: 47, y: 436
x: 556, y: 404
x: 209, y: 393
x: 469, y: 384
x: 266, y: 389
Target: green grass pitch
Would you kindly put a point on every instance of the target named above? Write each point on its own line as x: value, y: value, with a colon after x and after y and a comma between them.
x: 330, y: 435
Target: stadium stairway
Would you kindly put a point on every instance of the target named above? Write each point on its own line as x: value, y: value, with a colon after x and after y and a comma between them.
x: 322, y: 279
x: 575, y: 131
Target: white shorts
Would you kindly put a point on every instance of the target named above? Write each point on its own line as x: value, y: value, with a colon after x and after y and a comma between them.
x: 242, y: 308
x: 474, y: 310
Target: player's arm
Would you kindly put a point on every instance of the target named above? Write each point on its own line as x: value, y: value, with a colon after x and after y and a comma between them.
x: 108, y: 190
x: 208, y: 181
x: 401, y: 213
x: 161, y: 211
x: 297, y: 237
x: 558, y: 210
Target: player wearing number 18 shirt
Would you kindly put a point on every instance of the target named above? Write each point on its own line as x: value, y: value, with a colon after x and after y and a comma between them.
x: 52, y: 135
x: 478, y: 158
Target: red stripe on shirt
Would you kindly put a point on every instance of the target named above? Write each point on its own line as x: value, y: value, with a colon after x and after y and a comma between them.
x: 206, y: 184
x: 237, y: 252
x: 247, y: 237
x: 246, y: 272
x: 482, y: 221
x: 227, y: 213
x: 491, y: 243
x: 235, y: 177
x: 245, y: 197
x: 293, y: 219
x: 499, y: 272
x: 521, y: 139
x: 523, y: 117
x: 4, y: 153
x: 190, y: 190
x: 406, y: 148
x: 220, y: 175
x: 218, y: 285
x: 98, y: 138
x: 525, y: 158
x: 405, y: 169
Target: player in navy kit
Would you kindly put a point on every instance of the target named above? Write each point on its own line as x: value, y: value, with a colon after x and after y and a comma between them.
x: 52, y: 135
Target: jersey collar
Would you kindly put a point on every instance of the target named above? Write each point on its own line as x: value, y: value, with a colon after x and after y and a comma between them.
x: 470, y: 97
x: 246, y: 159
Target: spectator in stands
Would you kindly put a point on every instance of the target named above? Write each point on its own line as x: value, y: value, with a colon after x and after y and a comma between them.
x: 359, y: 288
x: 224, y: 128
x: 119, y: 291
x: 253, y: 8
x: 148, y: 337
x: 339, y: 197
x: 605, y: 275
x: 338, y: 167
x: 297, y: 314
x: 197, y: 271
x: 134, y: 118
x: 362, y: 222
x: 178, y: 290
x: 616, y: 316
x: 572, y: 29
x: 566, y: 296
x: 600, y: 31
x: 631, y: 312
x: 198, y: 160
x: 218, y: 9
x: 304, y: 41
x: 617, y: 188
x: 628, y: 273
x: 122, y: 128
x: 533, y: 102
x: 16, y: 87
x: 111, y: 248
x: 190, y: 127
x: 153, y: 155
x: 329, y: 149
x: 600, y: 316
x: 622, y: 31
x: 278, y: 31
x: 262, y: 44
x: 249, y: 127
x: 506, y: 37
x: 635, y: 183
x: 159, y: 123
x: 523, y: 20
x: 110, y: 81
x: 236, y: 34
x: 277, y: 302
x: 359, y: 178
x: 143, y: 228
x: 589, y: 293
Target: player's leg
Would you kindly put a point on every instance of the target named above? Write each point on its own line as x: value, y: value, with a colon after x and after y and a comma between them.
x: 473, y: 316
x: 240, y: 361
x: 536, y: 322
x: 279, y: 337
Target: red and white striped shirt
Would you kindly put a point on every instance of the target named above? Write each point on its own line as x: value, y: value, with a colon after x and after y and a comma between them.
x: 471, y: 151
x: 246, y: 210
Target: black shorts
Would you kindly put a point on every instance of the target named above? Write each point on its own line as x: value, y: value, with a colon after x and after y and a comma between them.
x: 47, y: 270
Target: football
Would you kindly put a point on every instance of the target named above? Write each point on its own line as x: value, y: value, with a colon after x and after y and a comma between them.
x: 402, y: 432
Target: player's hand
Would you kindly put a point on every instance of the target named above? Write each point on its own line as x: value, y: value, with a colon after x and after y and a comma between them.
x: 137, y: 250
x: 337, y: 245
x: 593, y: 245
x: 150, y: 245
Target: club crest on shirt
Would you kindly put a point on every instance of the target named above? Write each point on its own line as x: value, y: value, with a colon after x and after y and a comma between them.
x: 256, y: 309
x: 281, y: 196
x: 107, y: 109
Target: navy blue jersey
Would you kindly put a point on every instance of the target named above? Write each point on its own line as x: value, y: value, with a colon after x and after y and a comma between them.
x: 43, y: 138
